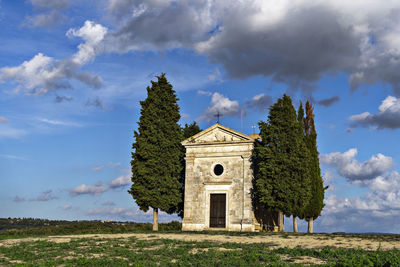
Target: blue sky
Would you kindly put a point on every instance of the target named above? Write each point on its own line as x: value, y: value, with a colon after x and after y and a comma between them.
x: 72, y: 74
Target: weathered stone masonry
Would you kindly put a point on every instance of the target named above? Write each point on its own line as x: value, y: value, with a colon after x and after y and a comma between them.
x: 218, y: 145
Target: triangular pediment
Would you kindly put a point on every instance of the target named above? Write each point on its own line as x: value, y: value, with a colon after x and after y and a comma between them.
x: 217, y: 134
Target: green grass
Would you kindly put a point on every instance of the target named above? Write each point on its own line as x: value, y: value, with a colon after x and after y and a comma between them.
x: 165, y: 252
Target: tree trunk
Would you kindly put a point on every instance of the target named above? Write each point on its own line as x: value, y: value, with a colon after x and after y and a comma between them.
x: 280, y: 222
x: 155, y: 219
x: 294, y: 224
x: 310, y: 225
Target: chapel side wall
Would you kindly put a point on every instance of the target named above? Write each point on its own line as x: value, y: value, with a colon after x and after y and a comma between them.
x: 248, y: 218
x: 194, y: 192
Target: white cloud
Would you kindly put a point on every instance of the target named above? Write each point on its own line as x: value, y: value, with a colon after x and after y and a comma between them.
x: 31, y: 74
x: 201, y: 92
x: 45, y: 196
x: 377, y: 211
x: 43, y: 74
x: 178, y: 24
x: 108, y: 203
x: 58, y: 122
x: 328, y: 178
x: 246, y: 38
x: 83, y: 189
x: 386, y: 191
x: 387, y: 117
x: 120, y: 181
x: 222, y: 105
x: 269, y: 38
x: 350, y: 168
x: 92, y: 34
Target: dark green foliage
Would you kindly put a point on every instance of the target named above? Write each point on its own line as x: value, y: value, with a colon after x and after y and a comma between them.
x: 190, y: 130
x: 187, y: 131
x: 300, y: 115
x: 307, y: 158
x: 156, y: 159
x: 314, y: 208
x: 84, y: 227
x: 21, y: 223
x: 282, y: 180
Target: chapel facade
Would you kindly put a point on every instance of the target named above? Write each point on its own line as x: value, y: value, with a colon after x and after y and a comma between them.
x: 219, y: 182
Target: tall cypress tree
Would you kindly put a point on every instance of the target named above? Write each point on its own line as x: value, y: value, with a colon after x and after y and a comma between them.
x: 301, y: 177
x: 156, y: 159
x: 190, y: 129
x: 300, y: 120
x: 314, y: 208
x: 281, y: 180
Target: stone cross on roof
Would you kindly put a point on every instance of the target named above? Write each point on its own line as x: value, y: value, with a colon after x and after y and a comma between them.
x: 218, y: 115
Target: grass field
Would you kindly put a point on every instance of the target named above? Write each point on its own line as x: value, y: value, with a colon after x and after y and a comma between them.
x: 120, y: 251
x: 171, y: 247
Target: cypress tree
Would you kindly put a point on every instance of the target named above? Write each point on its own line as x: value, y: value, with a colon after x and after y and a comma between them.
x: 190, y: 130
x: 281, y: 180
x: 187, y: 131
x: 306, y: 163
x: 300, y: 120
x: 157, y: 152
x: 314, y: 208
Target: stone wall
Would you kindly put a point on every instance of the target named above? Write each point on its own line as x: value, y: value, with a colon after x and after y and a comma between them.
x: 233, y: 153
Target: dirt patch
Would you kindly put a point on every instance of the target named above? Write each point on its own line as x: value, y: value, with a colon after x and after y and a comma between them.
x: 197, y: 250
x: 65, y: 257
x: 305, y: 260
x: 313, y: 241
x: 154, y: 247
x: 17, y: 261
x: 96, y: 255
x: 228, y: 249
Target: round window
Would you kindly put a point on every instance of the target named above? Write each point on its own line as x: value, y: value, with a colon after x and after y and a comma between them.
x: 218, y: 169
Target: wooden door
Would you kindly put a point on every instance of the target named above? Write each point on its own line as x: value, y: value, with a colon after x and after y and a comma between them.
x: 217, y: 210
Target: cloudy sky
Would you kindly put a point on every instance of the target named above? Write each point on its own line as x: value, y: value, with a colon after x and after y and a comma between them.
x: 72, y: 74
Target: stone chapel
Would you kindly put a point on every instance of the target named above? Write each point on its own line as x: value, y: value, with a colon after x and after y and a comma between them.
x: 219, y: 182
